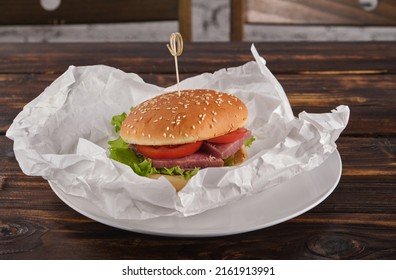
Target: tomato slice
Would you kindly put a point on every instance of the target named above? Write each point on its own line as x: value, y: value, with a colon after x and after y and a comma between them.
x: 169, y: 151
x: 229, y: 137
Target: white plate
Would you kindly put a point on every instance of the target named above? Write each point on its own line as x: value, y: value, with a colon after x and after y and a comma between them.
x: 262, y: 210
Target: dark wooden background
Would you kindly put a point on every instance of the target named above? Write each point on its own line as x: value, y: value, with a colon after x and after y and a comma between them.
x: 357, y: 221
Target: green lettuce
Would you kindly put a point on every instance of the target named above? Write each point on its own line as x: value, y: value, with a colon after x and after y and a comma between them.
x: 230, y: 161
x: 248, y: 142
x: 116, y: 121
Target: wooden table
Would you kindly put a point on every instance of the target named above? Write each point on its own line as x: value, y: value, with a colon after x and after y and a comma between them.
x: 357, y: 221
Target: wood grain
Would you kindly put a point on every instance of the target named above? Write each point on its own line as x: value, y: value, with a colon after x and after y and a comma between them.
x: 310, y: 236
x: 150, y: 58
x: 357, y: 221
x: 310, y: 92
x: 237, y: 19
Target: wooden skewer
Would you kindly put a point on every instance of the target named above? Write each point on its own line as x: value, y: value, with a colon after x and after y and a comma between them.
x: 176, y: 48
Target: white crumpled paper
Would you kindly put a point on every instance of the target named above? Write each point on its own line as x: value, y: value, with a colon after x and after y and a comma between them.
x: 62, y: 136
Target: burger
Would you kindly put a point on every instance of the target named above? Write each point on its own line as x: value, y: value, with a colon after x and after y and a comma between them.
x: 177, y: 133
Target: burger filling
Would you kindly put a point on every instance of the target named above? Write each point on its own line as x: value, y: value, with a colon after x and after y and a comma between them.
x: 209, y: 153
x: 184, y: 159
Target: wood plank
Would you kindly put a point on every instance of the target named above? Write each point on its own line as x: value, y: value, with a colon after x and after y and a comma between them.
x: 312, y: 93
x: 185, y: 18
x: 237, y: 19
x: 310, y: 57
x: 368, y: 157
x: 310, y: 236
x: 365, y: 193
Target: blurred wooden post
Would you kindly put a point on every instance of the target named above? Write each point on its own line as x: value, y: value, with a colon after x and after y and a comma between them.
x: 185, y: 20
x: 237, y: 19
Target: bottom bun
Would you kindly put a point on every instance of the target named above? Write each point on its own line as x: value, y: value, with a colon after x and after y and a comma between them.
x: 240, y: 156
x: 178, y: 181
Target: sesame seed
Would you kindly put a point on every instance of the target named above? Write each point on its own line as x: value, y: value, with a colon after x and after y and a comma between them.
x: 214, y: 119
x: 164, y: 134
x: 142, y: 134
x: 193, y: 126
x: 149, y: 136
x: 167, y: 128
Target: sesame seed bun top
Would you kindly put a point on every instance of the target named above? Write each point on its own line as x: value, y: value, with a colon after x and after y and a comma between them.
x: 195, y: 115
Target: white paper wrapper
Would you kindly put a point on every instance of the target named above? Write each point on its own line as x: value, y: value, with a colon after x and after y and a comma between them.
x: 62, y: 136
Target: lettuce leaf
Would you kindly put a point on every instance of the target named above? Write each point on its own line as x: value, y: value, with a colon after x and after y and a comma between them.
x: 117, y: 120
x: 248, y: 142
x: 189, y: 173
x: 230, y: 161
x: 120, y: 152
